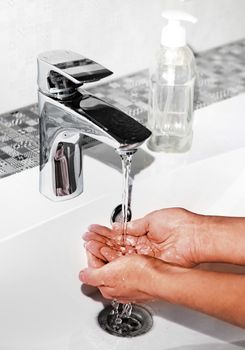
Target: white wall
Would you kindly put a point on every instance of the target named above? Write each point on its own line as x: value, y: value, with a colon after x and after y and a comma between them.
x: 122, y: 35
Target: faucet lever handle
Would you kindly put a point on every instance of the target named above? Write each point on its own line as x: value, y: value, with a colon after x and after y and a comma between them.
x: 62, y: 71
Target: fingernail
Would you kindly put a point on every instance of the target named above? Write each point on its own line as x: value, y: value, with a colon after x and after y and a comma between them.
x: 81, y: 275
x: 84, y: 234
x: 91, y: 227
x: 105, y: 251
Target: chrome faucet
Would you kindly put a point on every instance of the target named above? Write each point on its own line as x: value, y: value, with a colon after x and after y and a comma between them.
x: 68, y: 112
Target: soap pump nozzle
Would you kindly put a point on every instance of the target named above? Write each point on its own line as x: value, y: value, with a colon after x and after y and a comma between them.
x: 173, y: 34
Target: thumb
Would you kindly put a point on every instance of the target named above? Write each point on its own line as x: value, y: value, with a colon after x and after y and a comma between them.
x: 138, y: 227
x: 92, y: 276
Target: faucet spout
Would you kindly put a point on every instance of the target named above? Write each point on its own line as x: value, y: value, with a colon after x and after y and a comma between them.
x: 68, y: 112
x: 117, y: 128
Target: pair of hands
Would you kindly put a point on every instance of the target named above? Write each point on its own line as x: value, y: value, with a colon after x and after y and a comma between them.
x: 156, y: 246
x: 160, y: 251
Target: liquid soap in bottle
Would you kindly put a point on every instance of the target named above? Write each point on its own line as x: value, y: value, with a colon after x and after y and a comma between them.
x: 172, y: 79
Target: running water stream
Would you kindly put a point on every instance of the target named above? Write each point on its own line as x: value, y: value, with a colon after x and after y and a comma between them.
x: 126, y: 167
x: 122, y: 311
x: 125, y: 320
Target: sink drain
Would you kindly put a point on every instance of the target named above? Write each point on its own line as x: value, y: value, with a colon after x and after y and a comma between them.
x: 139, y: 322
x: 117, y: 215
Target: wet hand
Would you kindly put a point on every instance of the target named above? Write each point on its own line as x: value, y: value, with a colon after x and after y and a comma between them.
x: 172, y: 235
x: 128, y: 279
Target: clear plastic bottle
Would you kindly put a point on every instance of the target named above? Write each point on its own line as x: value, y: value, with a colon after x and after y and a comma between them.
x: 172, y: 79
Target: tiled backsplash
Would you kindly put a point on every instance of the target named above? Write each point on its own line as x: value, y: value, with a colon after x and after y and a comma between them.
x: 221, y: 74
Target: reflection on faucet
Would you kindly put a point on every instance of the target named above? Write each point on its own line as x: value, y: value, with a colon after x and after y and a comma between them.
x: 67, y: 113
x: 64, y: 183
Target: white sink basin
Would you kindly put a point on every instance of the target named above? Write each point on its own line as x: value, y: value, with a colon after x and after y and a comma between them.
x: 42, y: 305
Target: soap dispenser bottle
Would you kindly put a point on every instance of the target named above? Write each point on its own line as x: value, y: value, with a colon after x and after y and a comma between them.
x: 172, y: 80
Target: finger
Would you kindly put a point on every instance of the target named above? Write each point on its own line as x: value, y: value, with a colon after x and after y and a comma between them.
x: 101, y: 230
x: 130, y: 297
x: 137, y: 227
x: 94, y: 247
x: 93, y: 261
x: 109, y: 253
x: 93, y: 277
x: 126, y: 301
x: 92, y: 236
x: 107, y: 292
x: 111, y: 238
